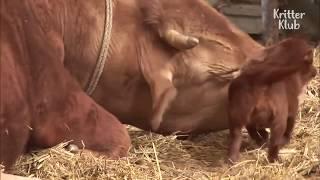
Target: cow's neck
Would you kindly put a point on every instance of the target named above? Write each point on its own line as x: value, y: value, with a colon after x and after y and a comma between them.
x: 83, y: 32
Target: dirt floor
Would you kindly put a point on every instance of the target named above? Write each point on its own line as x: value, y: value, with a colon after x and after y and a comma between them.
x: 157, y: 157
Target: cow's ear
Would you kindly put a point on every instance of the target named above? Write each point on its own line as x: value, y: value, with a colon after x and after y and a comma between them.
x: 179, y: 40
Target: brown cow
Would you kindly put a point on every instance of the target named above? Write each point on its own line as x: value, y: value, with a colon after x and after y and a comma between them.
x: 41, y: 103
x: 265, y: 95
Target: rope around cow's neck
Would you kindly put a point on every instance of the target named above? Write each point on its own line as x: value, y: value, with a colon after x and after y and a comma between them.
x: 104, y: 49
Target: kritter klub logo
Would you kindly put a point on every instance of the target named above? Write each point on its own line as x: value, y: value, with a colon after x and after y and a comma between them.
x: 288, y: 19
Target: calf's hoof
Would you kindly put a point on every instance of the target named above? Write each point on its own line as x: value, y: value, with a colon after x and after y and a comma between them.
x: 232, y: 159
x: 272, y: 159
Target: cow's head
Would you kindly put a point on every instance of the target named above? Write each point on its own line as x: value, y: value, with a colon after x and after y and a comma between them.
x: 216, y: 45
x: 183, y: 23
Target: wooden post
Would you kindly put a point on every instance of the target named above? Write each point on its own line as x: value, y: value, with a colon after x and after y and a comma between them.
x: 270, y: 25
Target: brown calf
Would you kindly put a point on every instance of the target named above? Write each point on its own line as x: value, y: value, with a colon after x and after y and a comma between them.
x: 265, y: 95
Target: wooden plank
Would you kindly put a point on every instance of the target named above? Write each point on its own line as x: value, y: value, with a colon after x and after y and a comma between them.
x: 269, y: 24
x: 242, y: 9
x: 251, y: 25
x: 247, y: 1
x: 213, y: 2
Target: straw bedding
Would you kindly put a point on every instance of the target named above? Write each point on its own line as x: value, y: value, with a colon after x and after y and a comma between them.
x: 157, y: 157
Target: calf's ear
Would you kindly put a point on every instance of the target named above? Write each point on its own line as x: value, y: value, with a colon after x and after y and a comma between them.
x: 309, y: 55
x: 178, y: 40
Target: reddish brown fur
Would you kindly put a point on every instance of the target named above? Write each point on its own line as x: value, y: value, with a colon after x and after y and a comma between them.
x: 41, y: 103
x: 265, y: 95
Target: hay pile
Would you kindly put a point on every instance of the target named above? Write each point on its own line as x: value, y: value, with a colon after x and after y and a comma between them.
x: 156, y: 157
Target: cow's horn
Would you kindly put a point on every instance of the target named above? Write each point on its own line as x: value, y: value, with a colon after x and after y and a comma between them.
x: 179, y: 40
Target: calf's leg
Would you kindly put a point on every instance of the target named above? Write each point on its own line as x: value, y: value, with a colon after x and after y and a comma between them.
x: 293, y: 109
x: 235, y: 144
x: 277, y: 138
x: 289, y: 129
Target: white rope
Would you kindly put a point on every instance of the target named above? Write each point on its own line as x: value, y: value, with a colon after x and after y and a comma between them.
x: 104, y: 49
